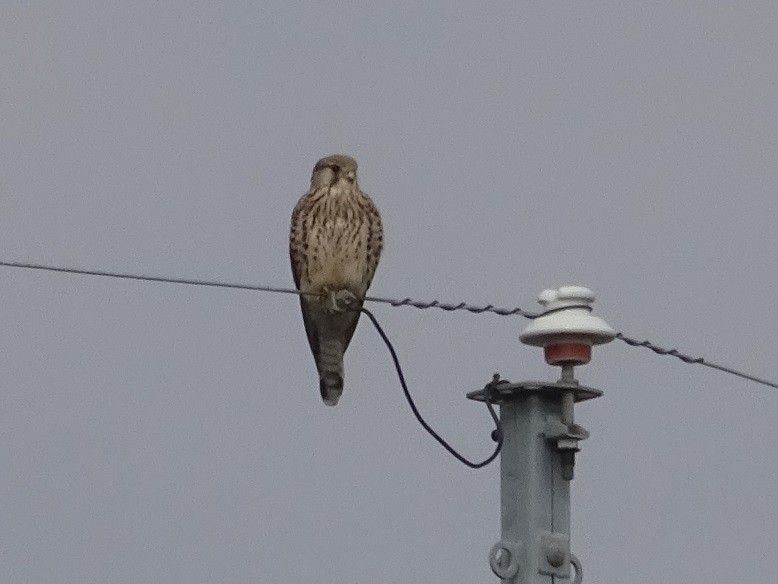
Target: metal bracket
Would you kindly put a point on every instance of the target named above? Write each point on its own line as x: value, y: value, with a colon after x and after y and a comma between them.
x: 556, y: 430
x: 500, y: 391
x: 566, y: 437
x: 504, y: 559
x: 554, y: 557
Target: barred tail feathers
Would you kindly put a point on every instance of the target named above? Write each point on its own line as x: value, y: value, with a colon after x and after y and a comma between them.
x: 330, y: 370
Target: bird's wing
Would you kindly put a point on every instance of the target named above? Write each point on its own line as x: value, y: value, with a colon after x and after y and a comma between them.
x: 310, y: 328
x: 296, y: 242
x: 349, y: 324
x: 298, y: 262
x: 375, y: 239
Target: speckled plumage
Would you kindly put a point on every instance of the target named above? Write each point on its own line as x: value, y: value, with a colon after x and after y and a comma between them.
x: 335, y: 243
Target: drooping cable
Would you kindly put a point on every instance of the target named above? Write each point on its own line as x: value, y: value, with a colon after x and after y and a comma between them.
x: 497, y: 435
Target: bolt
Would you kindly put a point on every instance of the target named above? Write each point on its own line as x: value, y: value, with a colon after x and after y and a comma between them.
x: 555, y: 554
x: 503, y: 558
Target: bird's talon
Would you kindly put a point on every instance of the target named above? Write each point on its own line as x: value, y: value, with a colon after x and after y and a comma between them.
x: 332, y: 303
x: 340, y: 301
x: 347, y: 299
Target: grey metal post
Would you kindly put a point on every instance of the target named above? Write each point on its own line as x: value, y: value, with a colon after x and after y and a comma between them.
x: 539, y: 444
x: 540, y: 439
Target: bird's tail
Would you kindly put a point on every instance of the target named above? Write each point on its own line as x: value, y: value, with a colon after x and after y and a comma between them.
x: 331, y: 370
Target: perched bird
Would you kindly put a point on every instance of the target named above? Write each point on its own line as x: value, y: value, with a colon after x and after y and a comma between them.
x: 335, y: 242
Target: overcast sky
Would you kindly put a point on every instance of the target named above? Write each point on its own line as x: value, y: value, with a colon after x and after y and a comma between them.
x: 159, y: 433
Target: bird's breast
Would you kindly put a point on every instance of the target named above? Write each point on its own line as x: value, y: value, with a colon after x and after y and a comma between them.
x: 337, y: 256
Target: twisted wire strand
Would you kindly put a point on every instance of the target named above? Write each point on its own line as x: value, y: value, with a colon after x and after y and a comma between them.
x: 451, y: 307
x: 390, y: 301
x: 257, y: 288
x: 693, y: 360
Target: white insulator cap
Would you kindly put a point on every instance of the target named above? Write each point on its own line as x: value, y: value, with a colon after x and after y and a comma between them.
x: 567, y: 329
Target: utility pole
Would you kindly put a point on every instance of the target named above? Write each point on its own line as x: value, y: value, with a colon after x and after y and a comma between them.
x: 540, y: 439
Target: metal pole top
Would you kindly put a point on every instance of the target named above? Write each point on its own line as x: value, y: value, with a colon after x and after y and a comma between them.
x: 500, y: 391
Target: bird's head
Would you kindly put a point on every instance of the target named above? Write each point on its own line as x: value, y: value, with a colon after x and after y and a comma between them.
x: 331, y: 170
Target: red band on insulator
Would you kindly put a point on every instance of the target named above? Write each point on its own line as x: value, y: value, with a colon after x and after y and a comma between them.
x: 575, y: 353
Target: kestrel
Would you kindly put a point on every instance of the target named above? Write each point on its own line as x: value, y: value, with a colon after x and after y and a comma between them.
x: 334, y: 245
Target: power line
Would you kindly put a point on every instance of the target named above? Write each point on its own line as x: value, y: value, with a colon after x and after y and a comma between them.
x: 390, y: 301
x: 692, y: 360
x: 450, y: 307
x: 144, y: 278
x: 406, y: 302
x: 221, y: 284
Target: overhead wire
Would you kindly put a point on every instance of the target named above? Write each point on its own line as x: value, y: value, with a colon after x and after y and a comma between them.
x: 257, y: 288
x: 693, y: 360
x: 446, y: 306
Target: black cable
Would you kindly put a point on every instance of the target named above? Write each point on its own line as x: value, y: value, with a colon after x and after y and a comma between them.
x: 497, y: 434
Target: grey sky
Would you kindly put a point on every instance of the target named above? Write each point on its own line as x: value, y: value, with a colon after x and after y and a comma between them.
x: 156, y: 433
